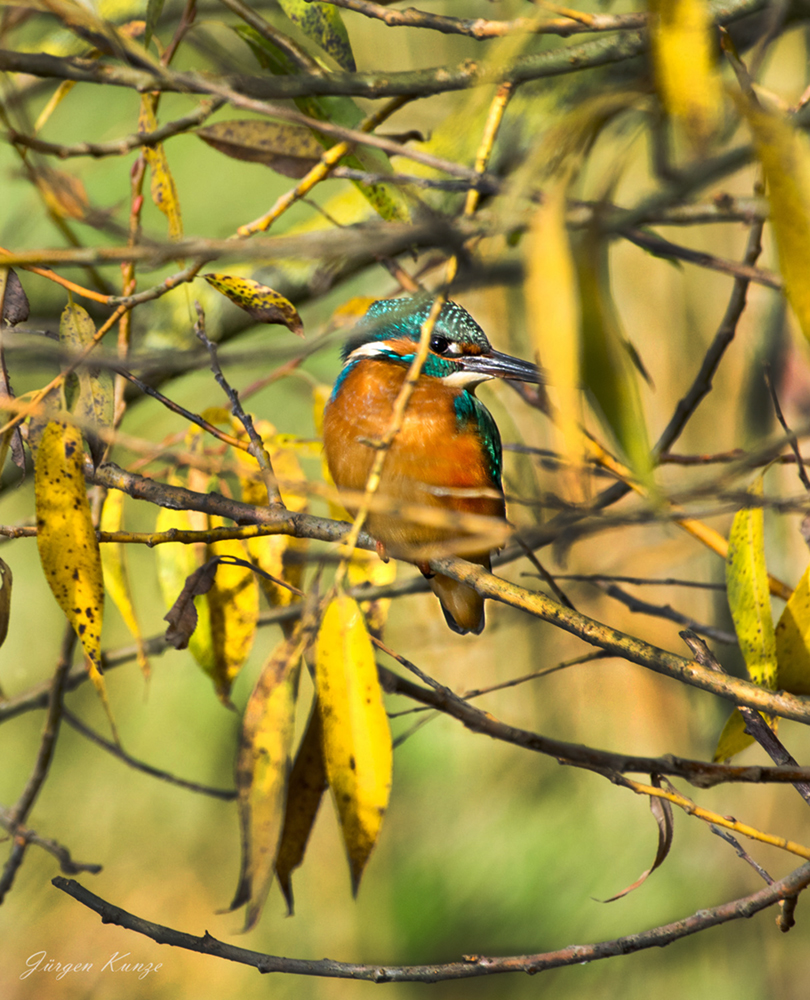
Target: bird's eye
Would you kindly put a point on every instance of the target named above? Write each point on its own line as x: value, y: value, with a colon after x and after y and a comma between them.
x: 439, y: 345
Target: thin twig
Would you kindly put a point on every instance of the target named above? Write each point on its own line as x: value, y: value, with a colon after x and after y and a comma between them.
x: 468, y: 968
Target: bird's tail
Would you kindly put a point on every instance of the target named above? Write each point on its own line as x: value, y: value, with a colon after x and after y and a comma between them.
x: 463, y: 607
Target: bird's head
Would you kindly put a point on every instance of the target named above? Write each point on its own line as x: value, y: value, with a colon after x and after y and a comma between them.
x: 460, y: 354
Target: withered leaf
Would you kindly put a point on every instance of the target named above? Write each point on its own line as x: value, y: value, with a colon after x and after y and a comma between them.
x: 662, y: 811
x: 5, y: 600
x: 15, y: 303
x: 305, y: 790
x: 290, y: 150
x: 182, y: 616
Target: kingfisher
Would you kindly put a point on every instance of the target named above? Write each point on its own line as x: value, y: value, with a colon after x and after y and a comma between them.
x: 447, y: 453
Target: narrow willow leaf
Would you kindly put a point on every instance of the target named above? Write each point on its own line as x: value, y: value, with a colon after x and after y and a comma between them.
x: 748, y: 593
x: 233, y: 603
x: 553, y: 312
x: 683, y: 56
x: 662, y: 814
x: 89, y: 392
x: 175, y: 563
x: 262, y: 770
x: 356, y: 736
x: 259, y: 301
x: 305, y: 790
x: 323, y: 24
x: 608, y: 368
x: 116, y: 577
x: 291, y: 150
x: 785, y: 157
x: 66, y: 538
x: 162, y: 187
x: 6, y: 580
x: 154, y: 8
x: 793, y: 641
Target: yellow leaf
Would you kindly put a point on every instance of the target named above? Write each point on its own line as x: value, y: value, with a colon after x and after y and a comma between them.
x: 553, y: 314
x: 351, y: 311
x: 260, y: 302
x: 262, y: 769
x: 367, y: 568
x: 785, y: 157
x: 175, y: 563
x: 683, y: 56
x: 66, y: 538
x: 163, y: 189
x: 282, y: 556
x: 356, y: 735
x: 734, y: 739
x: 305, y: 790
x: 793, y: 641
x: 233, y: 603
x: 748, y: 593
x: 89, y: 391
x: 291, y: 150
x: 116, y: 578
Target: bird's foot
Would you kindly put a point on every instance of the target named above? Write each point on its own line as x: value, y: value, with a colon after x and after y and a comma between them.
x: 425, y: 570
x: 381, y: 552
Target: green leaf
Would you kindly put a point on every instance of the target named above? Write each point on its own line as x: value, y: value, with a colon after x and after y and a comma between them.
x: 323, y: 24
x: 154, y: 8
x: 748, y: 592
x: 608, y: 366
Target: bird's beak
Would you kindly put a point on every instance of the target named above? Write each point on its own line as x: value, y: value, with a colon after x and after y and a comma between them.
x: 497, y: 365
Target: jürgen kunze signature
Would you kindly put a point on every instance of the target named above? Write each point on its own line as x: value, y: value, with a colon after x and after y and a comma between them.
x: 40, y: 961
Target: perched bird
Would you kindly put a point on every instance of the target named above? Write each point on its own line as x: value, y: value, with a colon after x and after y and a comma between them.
x: 447, y: 454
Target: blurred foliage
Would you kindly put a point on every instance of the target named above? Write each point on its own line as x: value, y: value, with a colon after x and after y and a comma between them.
x: 486, y: 848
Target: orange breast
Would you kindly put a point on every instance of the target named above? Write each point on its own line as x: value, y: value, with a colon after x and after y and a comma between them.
x: 430, y: 453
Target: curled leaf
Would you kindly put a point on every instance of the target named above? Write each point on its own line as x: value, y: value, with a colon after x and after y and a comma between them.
x: 182, y: 616
x: 662, y: 813
x: 259, y: 301
x: 89, y: 391
x: 15, y: 302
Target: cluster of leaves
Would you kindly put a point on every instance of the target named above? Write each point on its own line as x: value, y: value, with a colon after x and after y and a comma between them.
x: 211, y: 574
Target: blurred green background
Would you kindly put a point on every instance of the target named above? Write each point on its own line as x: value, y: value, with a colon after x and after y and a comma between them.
x: 486, y: 849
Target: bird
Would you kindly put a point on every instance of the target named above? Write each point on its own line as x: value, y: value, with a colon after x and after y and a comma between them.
x: 447, y: 454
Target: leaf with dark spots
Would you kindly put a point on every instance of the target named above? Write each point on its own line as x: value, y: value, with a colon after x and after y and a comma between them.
x: 182, y: 616
x: 290, y: 150
x: 260, y: 302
